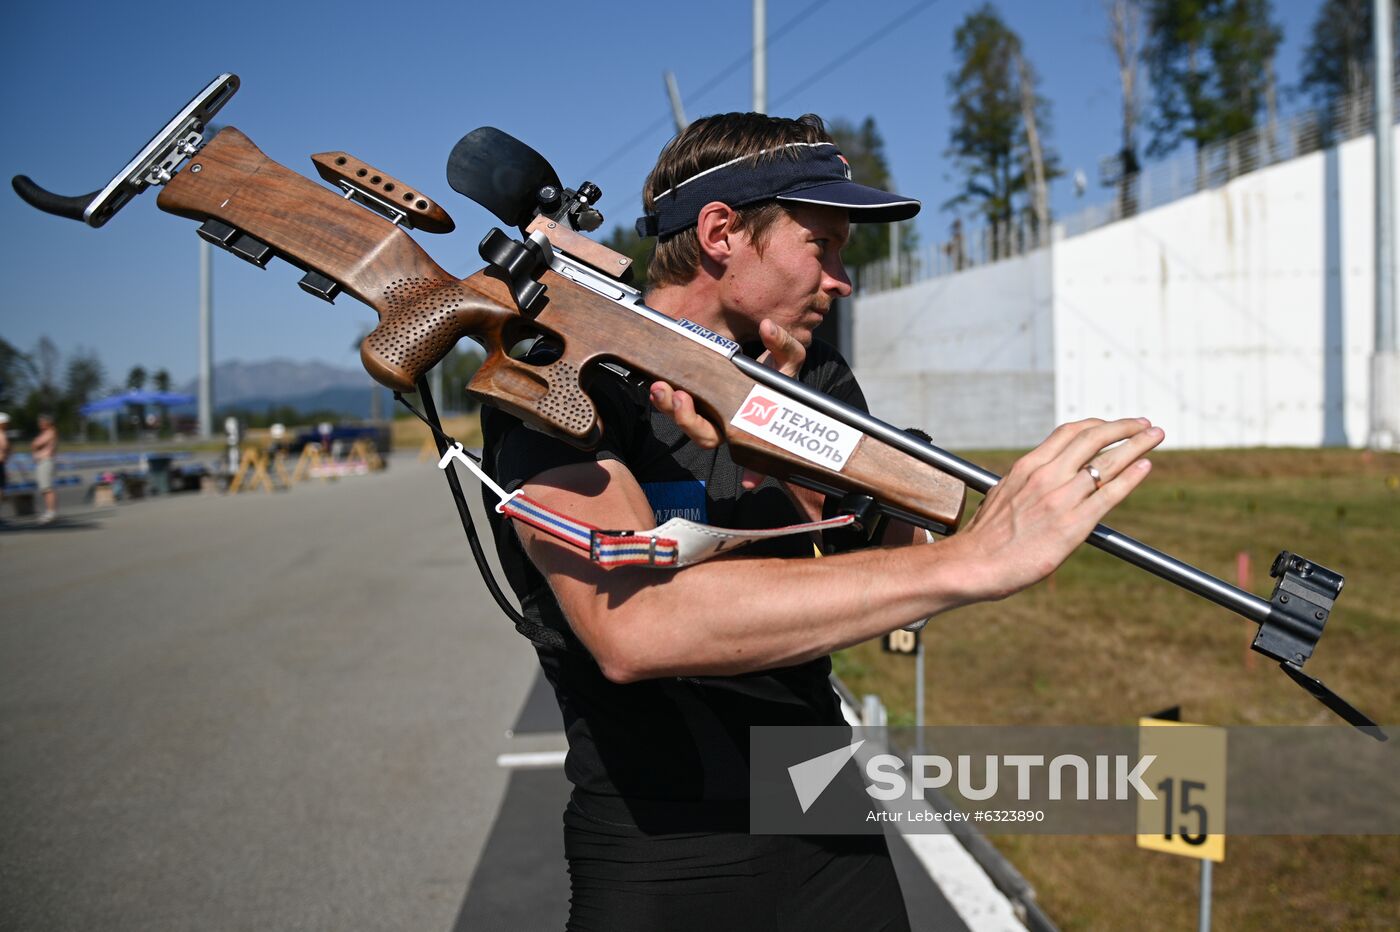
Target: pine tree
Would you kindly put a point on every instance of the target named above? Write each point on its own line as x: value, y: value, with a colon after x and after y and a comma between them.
x: 85, y: 376
x: 136, y: 381
x: 864, y: 149
x: 161, y: 382
x: 1337, y: 61
x: 18, y: 376
x: 1000, y: 123
x: 1125, y: 38
x: 1338, y: 64
x: 1211, y: 63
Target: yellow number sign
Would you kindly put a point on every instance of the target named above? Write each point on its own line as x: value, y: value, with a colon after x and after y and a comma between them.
x: 1188, y: 777
x: 900, y: 641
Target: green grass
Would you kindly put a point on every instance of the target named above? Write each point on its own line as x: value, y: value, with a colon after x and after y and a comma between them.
x: 1103, y: 643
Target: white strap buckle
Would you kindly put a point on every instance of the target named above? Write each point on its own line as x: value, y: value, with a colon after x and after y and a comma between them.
x: 456, y: 452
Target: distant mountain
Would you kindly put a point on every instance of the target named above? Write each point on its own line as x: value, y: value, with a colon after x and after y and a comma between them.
x: 278, y: 381
x: 305, y: 386
x: 349, y: 402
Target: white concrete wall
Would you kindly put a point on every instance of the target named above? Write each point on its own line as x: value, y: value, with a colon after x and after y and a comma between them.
x: 967, y: 357
x: 1241, y: 316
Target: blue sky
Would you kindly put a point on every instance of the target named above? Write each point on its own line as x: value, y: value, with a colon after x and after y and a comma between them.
x: 396, y: 85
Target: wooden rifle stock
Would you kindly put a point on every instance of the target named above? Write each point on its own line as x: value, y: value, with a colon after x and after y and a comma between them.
x: 423, y: 312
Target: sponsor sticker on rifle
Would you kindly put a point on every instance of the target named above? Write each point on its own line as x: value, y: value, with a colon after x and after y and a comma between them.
x: 705, y: 333
x: 794, y: 427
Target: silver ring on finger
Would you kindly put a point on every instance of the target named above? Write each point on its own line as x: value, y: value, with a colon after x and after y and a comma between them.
x: 1094, y: 474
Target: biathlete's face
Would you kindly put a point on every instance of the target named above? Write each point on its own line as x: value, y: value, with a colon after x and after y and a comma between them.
x: 797, y: 276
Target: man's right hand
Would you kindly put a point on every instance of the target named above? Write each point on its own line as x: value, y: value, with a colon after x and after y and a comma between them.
x: 782, y: 352
x: 1048, y: 503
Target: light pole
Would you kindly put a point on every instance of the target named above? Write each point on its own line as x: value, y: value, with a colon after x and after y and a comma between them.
x: 673, y: 93
x: 1385, y: 361
x: 760, y: 56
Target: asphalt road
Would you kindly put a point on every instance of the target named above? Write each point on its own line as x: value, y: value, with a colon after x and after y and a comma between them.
x: 279, y: 711
x: 265, y: 711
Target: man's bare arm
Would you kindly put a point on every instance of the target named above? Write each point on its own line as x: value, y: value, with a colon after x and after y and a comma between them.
x: 43, y: 444
x: 738, y: 615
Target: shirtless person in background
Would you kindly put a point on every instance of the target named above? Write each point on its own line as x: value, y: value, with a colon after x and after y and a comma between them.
x: 43, y: 449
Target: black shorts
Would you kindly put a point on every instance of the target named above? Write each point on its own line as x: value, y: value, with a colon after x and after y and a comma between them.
x: 625, y: 880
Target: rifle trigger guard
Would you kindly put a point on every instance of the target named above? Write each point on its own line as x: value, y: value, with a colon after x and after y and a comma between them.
x: 519, y: 264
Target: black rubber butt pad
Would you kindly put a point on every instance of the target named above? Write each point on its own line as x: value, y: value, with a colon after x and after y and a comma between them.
x: 50, y: 203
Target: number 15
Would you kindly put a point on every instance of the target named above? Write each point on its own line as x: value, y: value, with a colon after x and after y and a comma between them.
x: 1187, y: 807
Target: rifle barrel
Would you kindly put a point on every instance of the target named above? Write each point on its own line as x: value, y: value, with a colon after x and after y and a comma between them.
x: 1103, y: 537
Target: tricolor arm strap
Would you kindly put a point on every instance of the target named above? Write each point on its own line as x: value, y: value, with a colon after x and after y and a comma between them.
x: 675, y: 544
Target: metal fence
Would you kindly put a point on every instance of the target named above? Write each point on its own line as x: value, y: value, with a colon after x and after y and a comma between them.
x: 1180, y: 176
x: 982, y: 245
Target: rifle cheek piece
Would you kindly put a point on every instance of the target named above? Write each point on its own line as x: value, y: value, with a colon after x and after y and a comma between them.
x: 392, y: 199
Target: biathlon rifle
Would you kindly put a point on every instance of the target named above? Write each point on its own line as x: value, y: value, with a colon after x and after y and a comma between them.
x: 556, y: 285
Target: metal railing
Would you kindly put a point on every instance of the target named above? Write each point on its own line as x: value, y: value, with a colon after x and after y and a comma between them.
x: 1180, y: 176
x: 982, y: 245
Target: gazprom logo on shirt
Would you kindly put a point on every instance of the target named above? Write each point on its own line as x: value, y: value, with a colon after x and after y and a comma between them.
x: 682, y: 499
x: 793, y: 426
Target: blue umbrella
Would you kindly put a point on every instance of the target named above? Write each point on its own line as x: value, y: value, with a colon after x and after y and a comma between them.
x: 117, y: 402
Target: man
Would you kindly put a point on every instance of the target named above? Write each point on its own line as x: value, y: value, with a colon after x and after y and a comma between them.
x: 4, y: 452
x: 42, y: 449
x: 660, y: 674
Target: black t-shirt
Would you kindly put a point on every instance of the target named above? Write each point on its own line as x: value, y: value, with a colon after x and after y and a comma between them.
x: 675, y: 750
